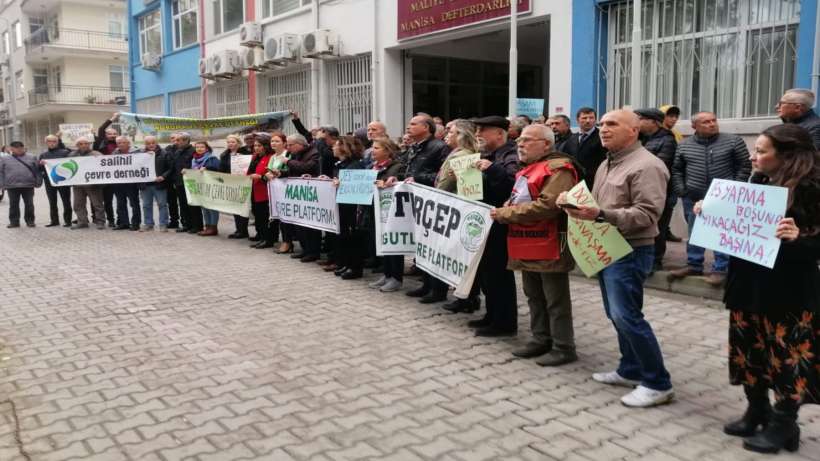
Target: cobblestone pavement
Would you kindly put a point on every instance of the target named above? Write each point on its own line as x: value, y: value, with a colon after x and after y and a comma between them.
x: 127, y: 346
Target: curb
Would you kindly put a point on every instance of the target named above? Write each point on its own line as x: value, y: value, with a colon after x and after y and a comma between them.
x: 689, y: 286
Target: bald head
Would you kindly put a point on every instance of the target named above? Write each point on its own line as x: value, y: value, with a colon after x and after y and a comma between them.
x: 375, y: 130
x: 619, y: 129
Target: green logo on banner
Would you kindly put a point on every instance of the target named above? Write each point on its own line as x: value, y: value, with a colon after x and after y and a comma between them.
x: 472, y: 230
x: 63, y: 171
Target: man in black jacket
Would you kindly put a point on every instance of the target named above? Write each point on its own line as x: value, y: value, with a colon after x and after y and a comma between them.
x: 660, y: 142
x: 498, y: 166
x: 55, y: 151
x: 106, y: 143
x: 562, y: 131
x: 158, y: 190
x: 304, y: 161
x: 191, y: 216
x: 173, y: 201
x: 796, y: 107
x: 585, y: 145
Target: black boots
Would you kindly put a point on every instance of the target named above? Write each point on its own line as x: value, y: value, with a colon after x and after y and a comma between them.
x: 782, y: 431
x: 757, y: 414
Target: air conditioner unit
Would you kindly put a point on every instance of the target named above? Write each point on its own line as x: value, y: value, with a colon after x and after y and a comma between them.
x: 205, y: 70
x: 252, y: 58
x: 320, y: 43
x: 225, y: 64
x: 151, y: 61
x: 250, y: 34
x: 281, y: 49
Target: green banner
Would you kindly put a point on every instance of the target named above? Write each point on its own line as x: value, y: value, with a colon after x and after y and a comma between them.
x: 218, y: 191
x: 138, y: 126
x: 593, y: 245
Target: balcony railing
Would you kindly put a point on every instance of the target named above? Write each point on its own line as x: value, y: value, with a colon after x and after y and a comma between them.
x: 71, y: 94
x: 73, y: 38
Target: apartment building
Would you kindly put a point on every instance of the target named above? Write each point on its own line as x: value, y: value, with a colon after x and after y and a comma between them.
x: 65, y: 62
x: 344, y: 62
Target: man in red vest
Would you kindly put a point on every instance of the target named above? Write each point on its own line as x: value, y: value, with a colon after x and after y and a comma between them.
x: 537, y: 244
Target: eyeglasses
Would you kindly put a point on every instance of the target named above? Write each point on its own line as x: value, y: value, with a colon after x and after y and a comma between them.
x: 783, y: 103
x: 523, y: 140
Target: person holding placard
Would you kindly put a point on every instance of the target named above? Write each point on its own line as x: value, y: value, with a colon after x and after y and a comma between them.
x: 127, y: 194
x: 262, y: 153
x: 774, y: 328
x: 304, y: 162
x: 630, y: 189
x: 233, y: 149
x: 158, y: 190
x: 347, y: 259
x: 84, y: 194
x: 385, y: 157
x: 205, y: 160
x: 54, y: 151
x: 278, y: 165
x: 537, y: 245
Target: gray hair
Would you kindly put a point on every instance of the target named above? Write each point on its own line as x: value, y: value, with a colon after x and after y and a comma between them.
x: 149, y: 137
x: 82, y: 139
x: 696, y: 117
x: 184, y: 136
x: 518, y: 124
x: 801, y: 96
x: 546, y: 132
x: 123, y: 138
x: 52, y: 138
x: 298, y: 138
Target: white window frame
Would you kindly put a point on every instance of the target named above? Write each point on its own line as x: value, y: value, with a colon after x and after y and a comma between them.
x: 733, y: 102
x: 228, y: 98
x: 117, y: 69
x: 21, y: 86
x: 151, y: 106
x: 115, y: 25
x: 143, y: 31
x: 18, y: 35
x: 6, y: 43
x: 176, y: 21
x: 217, y: 8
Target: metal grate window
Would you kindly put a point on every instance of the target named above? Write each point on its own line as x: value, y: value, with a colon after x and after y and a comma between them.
x: 228, y: 98
x: 733, y: 57
x: 150, y: 106
x: 186, y: 104
x: 350, y: 93
x: 288, y: 91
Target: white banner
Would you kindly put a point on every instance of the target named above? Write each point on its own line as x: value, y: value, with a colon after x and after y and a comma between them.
x: 394, y: 234
x: 101, y: 169
x: 305, y: 202
x: 450, y: 232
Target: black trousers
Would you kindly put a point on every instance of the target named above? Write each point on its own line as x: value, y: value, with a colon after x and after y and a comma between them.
x: 27, y: 194
x: 497, y: 283
x: 663, y: 228
x: 128, y: 195
x: 241, y: 224
x: 394, y: 267
x: 108, y: 203
x: 65, y: 197
x: 310, y: 240
x: 173, y: 205
x: 190, y: 216
x: 261, y: 222
x: 286, y: 230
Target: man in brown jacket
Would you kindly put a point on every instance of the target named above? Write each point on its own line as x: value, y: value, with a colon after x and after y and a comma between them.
x: 537, y: 245
x: 630, y: 188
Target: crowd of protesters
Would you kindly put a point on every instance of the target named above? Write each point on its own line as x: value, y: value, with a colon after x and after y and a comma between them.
x: 636, y: 165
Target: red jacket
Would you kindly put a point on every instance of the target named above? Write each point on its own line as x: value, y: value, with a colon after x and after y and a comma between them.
x: 260, y: 186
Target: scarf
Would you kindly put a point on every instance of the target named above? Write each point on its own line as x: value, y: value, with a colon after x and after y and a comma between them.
x: 199, y: 162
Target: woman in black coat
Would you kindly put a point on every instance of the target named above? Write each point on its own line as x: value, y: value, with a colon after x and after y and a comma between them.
x: 348, y: 153
x: 774, y: 331
x: 234, y: 148
x: 387, y: 163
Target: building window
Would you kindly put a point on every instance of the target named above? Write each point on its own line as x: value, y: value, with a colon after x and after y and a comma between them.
x: 18, y: 35
x: 185, y: 23
x: 40, y: 79
x: 150, y: 106
x: 277, y: 7
x: 21, y: 87
x: 732, y: 57
x: 116, y: 75
x: 35, y: 24
x: 228, y: 15
x: 115, y: 25
x: 289, y: 90
x: 186, y: 104
x: 56, y: 78
x: 350, y: 93
x: 229, y: 98
x: 150, y: 27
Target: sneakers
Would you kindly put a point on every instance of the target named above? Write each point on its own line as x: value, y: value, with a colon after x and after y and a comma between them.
x: 378, y: 283
x: 146, y: 228
x: 613, y: 378
x: 163, y: 228
x: 390, y: 285
x: 644, y: 397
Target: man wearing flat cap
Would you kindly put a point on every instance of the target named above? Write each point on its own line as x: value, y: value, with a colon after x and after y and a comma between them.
x: 661, y: 142
x: 498, y: 166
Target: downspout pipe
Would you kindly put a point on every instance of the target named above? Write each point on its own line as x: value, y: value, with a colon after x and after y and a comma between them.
x: 314, y: 73
x: 815, y: 77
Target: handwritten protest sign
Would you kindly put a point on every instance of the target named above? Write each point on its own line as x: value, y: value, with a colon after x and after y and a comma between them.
x: 593, y: 245
x: 469, y: 183
x: 70, y: 132
x: 532, y: 108
x: 740, y: 219
x: 240, y: 164
x: 356, y: 187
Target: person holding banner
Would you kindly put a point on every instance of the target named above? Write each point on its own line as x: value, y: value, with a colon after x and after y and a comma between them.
x: 204, y: 159
x: 537, y: 245
x: 774, y: 328
x: 156, y: 191
x: 106, y: 144
x: 190, y: 216
x: 173, y: 199
x: 260, y: 207
x: 127, y: 194
x: 385, y: 155
x: 234, y: 148
x: 630, y: 189
x: 278, y: 165
x: 304, y: 162
x: 94, y: 194
x: 54, y: 151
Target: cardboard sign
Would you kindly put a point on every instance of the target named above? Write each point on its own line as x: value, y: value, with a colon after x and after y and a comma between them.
x: 740, y: 219
x: 305, y: 202
x: 70, y: 132
x: 469, y: 182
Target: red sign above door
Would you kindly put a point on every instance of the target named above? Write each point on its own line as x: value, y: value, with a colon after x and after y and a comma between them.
x: 423, y: 17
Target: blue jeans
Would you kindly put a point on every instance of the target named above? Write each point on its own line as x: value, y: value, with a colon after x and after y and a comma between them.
x: 694, y: 254
x: 150, y: 194
x: 622, y: 292
x: 210, y: 217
